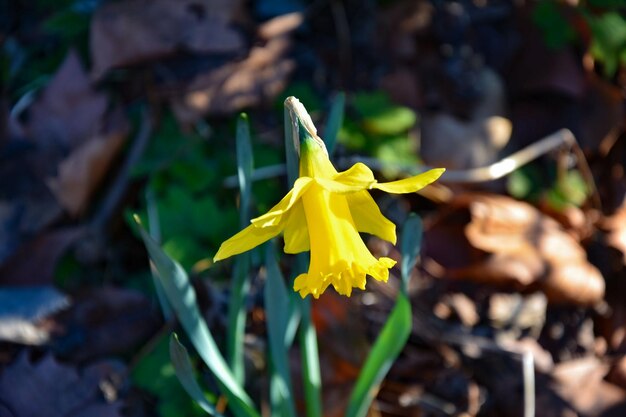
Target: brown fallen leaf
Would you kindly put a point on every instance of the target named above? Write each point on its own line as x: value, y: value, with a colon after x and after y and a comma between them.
x: 46, y: 387
x: 581, y: 383
x: 615, y: 226
x: 83, y: 170
x: 69, y: 110
x: 459, y: 304
x: 260, y: 76
x: 517, y: 312
x: 134, y: 31
x: 617, y: 374
x: 518, y: 246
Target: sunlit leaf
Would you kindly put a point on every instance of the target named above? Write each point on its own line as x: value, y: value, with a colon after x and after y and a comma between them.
x: 182, y: 298
x: 395, y: 332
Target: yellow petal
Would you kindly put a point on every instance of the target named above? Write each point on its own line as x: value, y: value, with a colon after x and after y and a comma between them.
x: 356, y: 178
x: 358, y: 174
x: 275, y: 215
x: 245, y: 240
x: 296, y: 231
x: 339, y: 256
x: 412, y: 184
x: 368, y: 218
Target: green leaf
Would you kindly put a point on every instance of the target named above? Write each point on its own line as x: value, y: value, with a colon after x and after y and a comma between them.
x: 185, y: 374
x: 527, y: 182
x: 370, y: 104
x: 311, y: 373
x: 386, y: 349
x: 609, y: 40
x: 241, y: 277
x: 395, y: 332
x: 381, y: 116
x: 411, y: 245
x: 155, y: 373
x: 277, y: 309
x: 391, y: 121
x: 155, y: 232
x: 245, y: 165
x: 68, y: 24
x: 557, y: 31
x: 182, y: 298
x: 570, y: 189
x: 396, y: 150
x: 185, y: 248
x: 334, y: 122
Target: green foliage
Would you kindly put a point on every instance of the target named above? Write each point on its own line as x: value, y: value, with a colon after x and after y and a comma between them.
x: 186, y: 376
x: 185, y: 173
x: 381, y: 129
x: 609, y: 41
x: 284, y: 308
x: 240, y: 283
x: 278, y: 308
x: 570, y: 189
x: 70, y: 25
x: 61, y: 26
x: 605, y: 20
x: 557, y: 31
x: 155, y: 374
x: 395, y: 332
x: 528, y: 183
x: 182, y: 298
x: 334, y: 122
x: 525, y: 183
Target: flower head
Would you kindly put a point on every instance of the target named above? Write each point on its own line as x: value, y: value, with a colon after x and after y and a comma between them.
x: 324, y: 213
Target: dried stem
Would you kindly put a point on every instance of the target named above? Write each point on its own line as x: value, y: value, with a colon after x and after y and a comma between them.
x: 562, y: 138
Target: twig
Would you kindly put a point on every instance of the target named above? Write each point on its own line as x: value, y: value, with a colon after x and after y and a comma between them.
x: 528, y: 373
x: 495, y: 171
x: 491, y: 172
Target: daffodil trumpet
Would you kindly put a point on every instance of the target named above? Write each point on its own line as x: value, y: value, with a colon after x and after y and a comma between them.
x: 323, y: 213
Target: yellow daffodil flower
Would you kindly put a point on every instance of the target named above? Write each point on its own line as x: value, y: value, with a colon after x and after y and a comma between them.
x: 324, y: 213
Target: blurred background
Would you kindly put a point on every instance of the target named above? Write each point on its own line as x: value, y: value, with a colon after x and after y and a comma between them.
x: 109, y: 108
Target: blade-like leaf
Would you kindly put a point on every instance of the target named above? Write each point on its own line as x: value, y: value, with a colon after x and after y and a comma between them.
x: 410, y: 245
x: 184, y: 372
x: 241, y: 277
x: 155, y: 232
x: 386, y: 349
x: 311, y: 374
x: 182, y: 298
x: 334, y: 122
x: 395, y: 332
x: 277, y: 309
x: 245, y: 165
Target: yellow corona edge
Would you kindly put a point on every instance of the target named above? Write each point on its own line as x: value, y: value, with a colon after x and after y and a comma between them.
x: 324, y: 213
